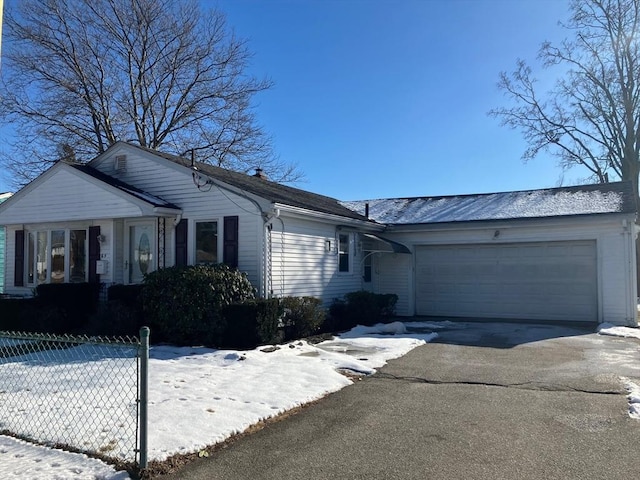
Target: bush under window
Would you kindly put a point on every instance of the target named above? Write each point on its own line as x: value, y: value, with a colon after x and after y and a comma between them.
x: 182, y: 305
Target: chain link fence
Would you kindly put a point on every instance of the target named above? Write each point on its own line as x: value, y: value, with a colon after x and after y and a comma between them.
x: 82, y: 393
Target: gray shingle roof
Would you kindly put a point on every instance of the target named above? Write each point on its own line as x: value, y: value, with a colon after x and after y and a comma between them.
x: 272, y: 191
x: 552, y: 202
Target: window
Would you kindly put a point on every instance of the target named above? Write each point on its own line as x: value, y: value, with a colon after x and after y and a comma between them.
x: 42, y: 266
x: 344, y: 264
x: 77, y: 256
x: 56, y: 256
x: 206, y: 242
x: 31, y: 251
x: 366, y: 274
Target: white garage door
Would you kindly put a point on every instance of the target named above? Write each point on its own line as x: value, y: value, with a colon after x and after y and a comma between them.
x: 531, y: 281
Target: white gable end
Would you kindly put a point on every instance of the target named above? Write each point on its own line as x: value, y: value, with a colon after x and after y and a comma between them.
x: 64, y: 194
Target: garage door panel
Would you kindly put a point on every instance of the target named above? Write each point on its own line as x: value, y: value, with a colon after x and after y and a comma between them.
x: 541, y: 280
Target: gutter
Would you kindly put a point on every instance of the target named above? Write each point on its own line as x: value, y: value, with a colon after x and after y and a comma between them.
x: 329, y: 217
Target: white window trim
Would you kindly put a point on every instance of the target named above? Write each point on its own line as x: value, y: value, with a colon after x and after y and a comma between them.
x: 350, y: 252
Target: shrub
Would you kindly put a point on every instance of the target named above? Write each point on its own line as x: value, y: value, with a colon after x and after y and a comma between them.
x: 182, y: 304
x: 31, y: 315
x: 75, y: 302
x: 251, y: 323
x: 338, y: 319
x: 129, y: 295
x: 361, y: 307
x: 115, y: 318
x: 302, y: 316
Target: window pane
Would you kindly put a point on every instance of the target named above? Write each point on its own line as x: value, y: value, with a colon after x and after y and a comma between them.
x: 77, y: 255
x: 41, y: 257
x: 367, y: 267
x: 206, y: 242
x: 31, y: 255
x: 57, y: 256
x: 343, y: 253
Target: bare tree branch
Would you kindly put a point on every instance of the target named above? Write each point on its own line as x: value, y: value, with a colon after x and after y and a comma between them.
x: 84, y: 74
x: 591, y: 118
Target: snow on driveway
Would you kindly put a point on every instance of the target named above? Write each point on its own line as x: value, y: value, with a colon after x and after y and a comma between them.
x: 199, y: 396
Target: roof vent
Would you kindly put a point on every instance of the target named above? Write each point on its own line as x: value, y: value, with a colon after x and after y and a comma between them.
x: 260, y: 174
x: 120, y: 164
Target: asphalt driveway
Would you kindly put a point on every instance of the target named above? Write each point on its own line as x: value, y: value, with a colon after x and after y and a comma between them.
x: 484, y: 401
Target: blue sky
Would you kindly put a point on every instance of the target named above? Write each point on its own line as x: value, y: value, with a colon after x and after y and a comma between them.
x: 384, y: 98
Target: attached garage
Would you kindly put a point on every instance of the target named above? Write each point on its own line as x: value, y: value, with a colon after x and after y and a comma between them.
x: 530, y: 281
x: 559, y: 254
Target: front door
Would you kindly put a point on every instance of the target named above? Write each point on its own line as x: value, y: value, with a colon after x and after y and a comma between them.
x: 141, y: 258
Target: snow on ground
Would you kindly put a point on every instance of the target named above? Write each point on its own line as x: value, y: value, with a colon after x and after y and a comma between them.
x: 632, y: 388
x: 200, y: 396
x: 634, y: 398
x: 21, y: 460
x: 616, y: 331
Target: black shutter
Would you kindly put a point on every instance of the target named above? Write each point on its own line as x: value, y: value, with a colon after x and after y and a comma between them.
x: 230, y: 241
x: 18, y: 273
x: 94, y: 253
x: 181, y: 243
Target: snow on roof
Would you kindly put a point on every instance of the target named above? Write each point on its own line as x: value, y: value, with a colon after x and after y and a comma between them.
x: 566, y: 201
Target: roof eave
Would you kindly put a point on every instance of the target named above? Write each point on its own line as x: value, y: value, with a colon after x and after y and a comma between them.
x: 328, y: 217
x: 484, y: 223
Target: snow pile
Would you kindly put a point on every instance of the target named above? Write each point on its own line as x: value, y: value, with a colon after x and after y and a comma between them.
x: 617, y: 331
x: 634, y: 398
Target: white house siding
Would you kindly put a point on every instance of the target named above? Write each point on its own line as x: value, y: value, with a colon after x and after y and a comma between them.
x: 302, y: 266
x: 613, y: 235
x: 66, y: 196
x: 174, y: 184
x: 393, y: 273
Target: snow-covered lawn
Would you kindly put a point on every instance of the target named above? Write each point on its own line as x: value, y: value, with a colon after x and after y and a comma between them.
x: 201, y: 396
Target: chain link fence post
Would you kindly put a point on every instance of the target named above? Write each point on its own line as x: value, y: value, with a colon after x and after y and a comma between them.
x: 144, y: 394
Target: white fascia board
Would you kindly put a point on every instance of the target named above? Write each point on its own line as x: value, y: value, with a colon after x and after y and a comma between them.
x: 304, y: 213
x: 599, y: 218
x: 146, y: 208
x: 30, y: 186
x: 166, y: 211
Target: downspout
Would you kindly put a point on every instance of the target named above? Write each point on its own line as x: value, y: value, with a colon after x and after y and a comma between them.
x: 630, y: 229
x: 265, y: 219
x: 282, y: 259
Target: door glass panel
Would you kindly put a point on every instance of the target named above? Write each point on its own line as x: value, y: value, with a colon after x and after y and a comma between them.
x: 31, y: 251
x: 141, y: 258
x: 57, y: 256
x: 77, y: 255
x: 41, y: 257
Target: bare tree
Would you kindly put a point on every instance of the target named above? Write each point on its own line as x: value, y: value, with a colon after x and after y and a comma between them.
x: 591, y: 117
x: 79, y: 75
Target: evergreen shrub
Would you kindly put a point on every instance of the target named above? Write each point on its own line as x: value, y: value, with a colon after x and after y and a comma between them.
x: 182, y: 305
x: 251, y: 323
x: 302, y: 316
